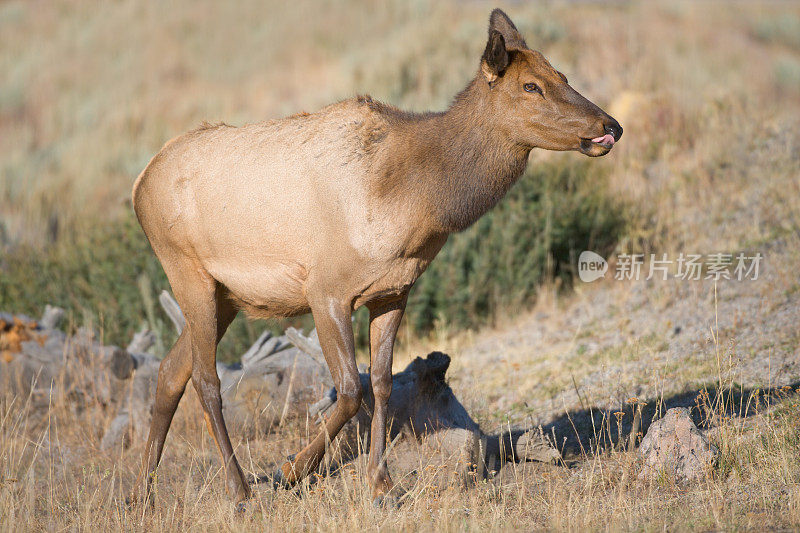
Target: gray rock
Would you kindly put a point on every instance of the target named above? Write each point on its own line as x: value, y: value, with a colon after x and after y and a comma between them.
x: 676, y: 447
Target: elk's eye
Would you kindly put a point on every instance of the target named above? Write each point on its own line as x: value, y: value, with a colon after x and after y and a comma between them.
x: 532, y: 88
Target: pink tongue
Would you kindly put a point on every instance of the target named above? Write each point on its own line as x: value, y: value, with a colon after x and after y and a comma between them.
x: 605, y: 139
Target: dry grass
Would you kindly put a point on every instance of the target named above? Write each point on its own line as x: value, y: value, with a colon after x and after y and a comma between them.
x: 708, y: 95
x: 53, y: 477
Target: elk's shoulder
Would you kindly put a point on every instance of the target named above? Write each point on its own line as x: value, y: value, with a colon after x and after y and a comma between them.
x: 366, y: 124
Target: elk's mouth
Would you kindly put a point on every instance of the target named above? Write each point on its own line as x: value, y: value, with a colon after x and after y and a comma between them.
x: 597, y: 146
x: 606, y: 141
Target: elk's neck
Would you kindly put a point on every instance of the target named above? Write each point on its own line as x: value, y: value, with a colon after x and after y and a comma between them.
x: 468, y: 165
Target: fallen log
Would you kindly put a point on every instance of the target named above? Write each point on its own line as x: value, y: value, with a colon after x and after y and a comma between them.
x: 429, y: 426
x: 275, y: 382
x: 430, y: 429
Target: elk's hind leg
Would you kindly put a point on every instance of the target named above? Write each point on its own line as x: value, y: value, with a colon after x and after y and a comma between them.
x: 203, y: 306
x: 173, y: 374
x: 207, y: 321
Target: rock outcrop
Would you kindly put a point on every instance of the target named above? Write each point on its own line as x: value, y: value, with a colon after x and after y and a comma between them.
x: 674, y: 446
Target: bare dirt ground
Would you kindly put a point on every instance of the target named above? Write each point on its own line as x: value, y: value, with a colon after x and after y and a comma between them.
x: 644, y: 339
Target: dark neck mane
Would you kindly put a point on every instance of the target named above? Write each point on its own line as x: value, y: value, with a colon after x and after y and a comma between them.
x: 468, y: 165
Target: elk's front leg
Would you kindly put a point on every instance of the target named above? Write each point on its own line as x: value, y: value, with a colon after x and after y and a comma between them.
x: 335, y: 330
x: 384, y: 321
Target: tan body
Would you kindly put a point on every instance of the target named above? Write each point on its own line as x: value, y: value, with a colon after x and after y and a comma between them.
x: 306, y: 208
x: 330, y: 211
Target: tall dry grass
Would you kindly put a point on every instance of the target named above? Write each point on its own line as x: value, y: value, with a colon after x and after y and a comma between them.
x: 53, y: 476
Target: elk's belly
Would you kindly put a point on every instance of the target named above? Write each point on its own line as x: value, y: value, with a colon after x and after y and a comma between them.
x: 279, y: 289
x: 267, y: 290
x: 268, y: 281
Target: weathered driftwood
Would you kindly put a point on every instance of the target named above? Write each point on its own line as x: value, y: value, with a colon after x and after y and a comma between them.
x: 46, y: 364
x: 142, y: 341
x: 309, y: 345
x: 429, y: 428
x: 273, y: 387
x: 132, y: 420
x: 280, y: 378
x: 42, y: 362
x: 52, y: 317
x: 173, y: 310
x: 274, y: 383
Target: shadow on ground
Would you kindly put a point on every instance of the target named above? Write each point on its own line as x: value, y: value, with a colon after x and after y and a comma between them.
x: 597, y: 429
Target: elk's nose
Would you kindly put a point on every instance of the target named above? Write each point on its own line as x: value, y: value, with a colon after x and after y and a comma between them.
x: 614, y: 129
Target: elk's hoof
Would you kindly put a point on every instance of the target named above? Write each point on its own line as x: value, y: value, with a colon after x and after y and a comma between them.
x: 385, y: 501
x: 279, y: 481
x: 243, y: 507
x: 134, y: 501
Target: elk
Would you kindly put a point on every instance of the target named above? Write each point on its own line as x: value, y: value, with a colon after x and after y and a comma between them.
x: 330, y: 211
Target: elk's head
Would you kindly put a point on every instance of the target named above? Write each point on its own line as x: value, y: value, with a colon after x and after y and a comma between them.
x: 534, y: 103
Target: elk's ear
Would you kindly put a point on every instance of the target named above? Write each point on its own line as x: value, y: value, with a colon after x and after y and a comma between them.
x: 499, y: 21
x: 495, y: 58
